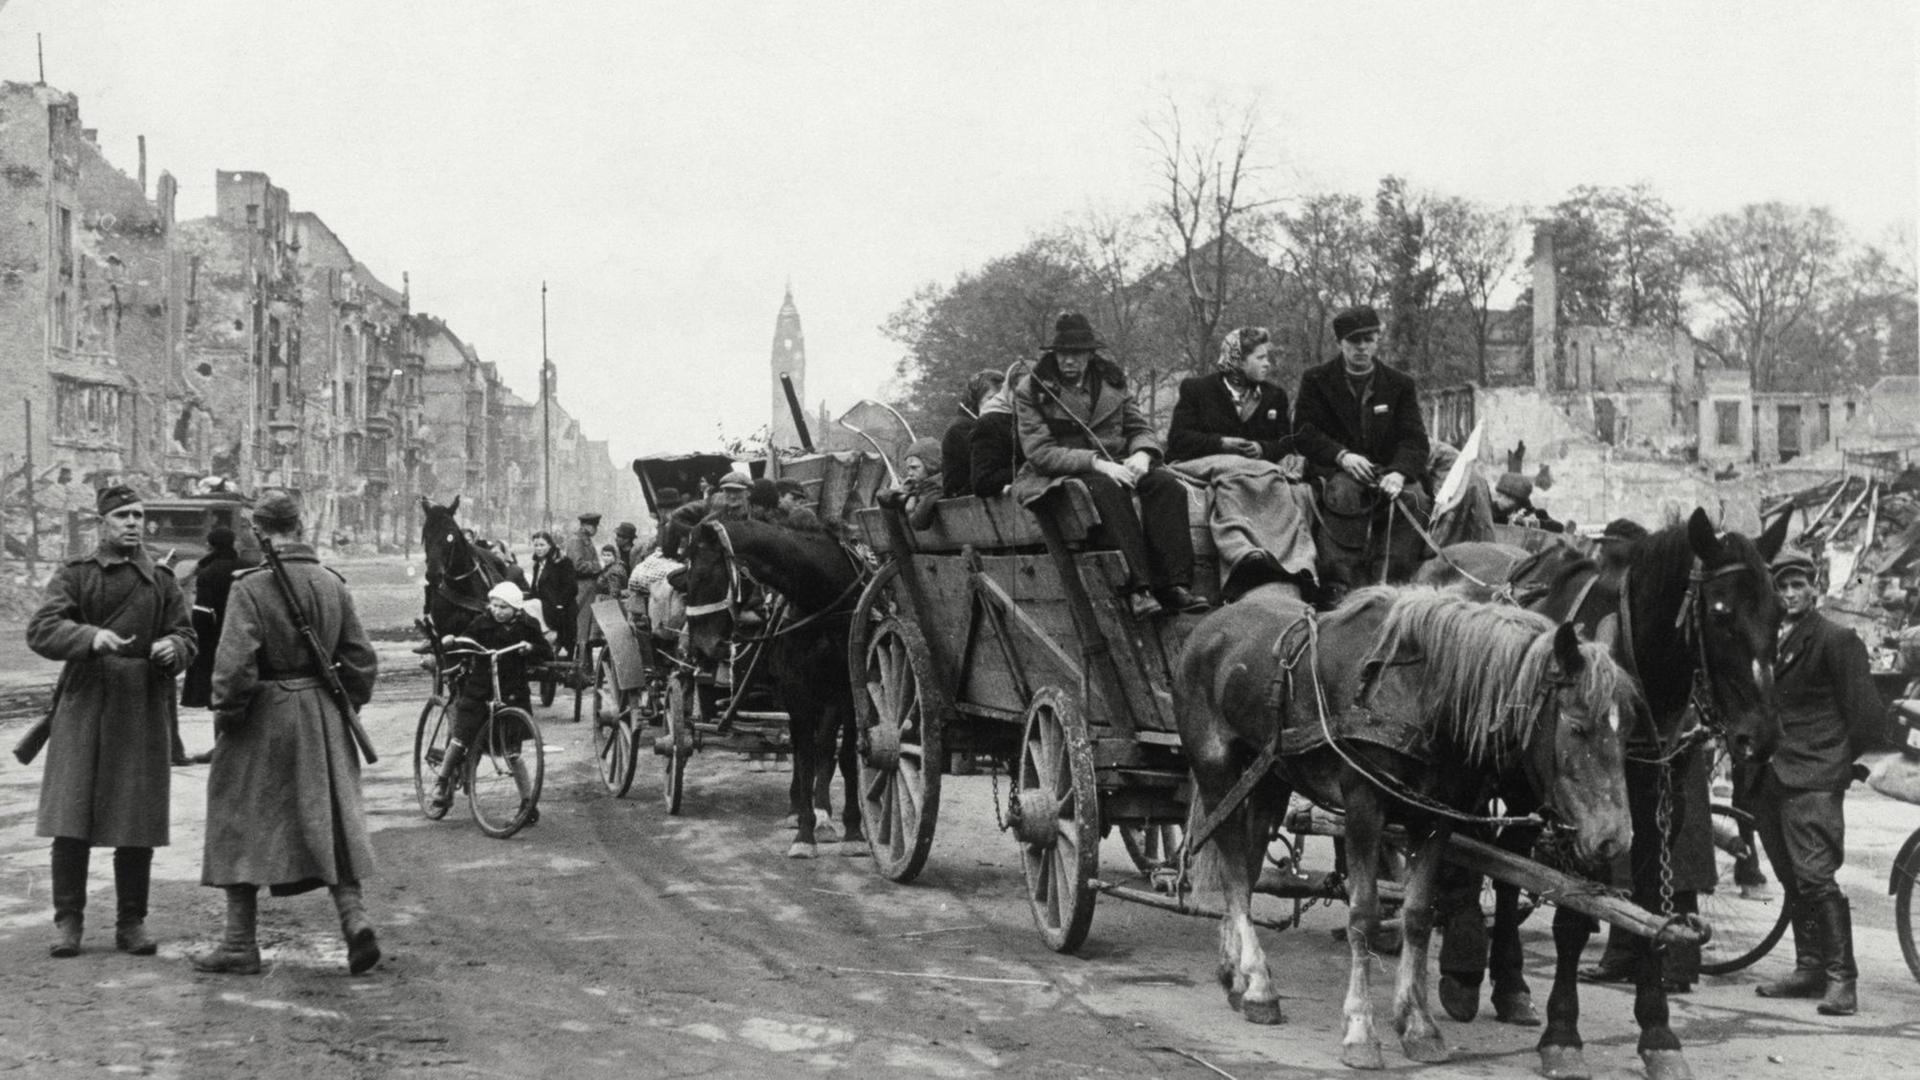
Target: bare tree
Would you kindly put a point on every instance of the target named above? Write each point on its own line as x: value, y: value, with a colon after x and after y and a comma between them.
x: 1474, y: 245
x: 1325, y: 263
x: 1206, y: 175
x: 1764, y: 266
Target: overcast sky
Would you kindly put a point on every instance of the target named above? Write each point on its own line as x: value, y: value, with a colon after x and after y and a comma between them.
x: 667, y: 169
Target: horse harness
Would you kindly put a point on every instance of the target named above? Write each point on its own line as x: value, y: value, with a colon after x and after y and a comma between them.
x: 731, y: 603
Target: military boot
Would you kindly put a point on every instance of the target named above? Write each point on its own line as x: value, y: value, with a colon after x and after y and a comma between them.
x: 449, y: 769
x: 1836, y: 934
x: 363, y: 946
x: 132, y: 878
x: 239, y: 951
x: 1809, y: 975
x: 70, y: 858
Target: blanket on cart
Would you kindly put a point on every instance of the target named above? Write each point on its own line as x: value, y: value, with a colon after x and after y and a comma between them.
x: 1256, y: 510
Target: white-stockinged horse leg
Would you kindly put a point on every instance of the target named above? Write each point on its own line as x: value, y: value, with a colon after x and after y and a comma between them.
x: 1419, y: 1035
x: 1359, y: 1045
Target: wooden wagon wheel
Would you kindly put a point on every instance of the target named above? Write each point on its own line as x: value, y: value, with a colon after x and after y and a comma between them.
x: 1055, y: 817
x: 675, y: 743
x: 901, y: 715
x: 613, y: 717
x: 877, y: 602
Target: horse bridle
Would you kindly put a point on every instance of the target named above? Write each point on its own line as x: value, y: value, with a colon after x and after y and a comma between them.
x: 1691, y: 622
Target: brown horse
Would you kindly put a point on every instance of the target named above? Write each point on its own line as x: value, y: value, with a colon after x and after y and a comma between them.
x: 1406, y: 705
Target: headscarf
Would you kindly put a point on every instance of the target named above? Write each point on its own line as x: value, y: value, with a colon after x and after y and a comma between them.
x: 1234, y: 349
x: 510, y: 593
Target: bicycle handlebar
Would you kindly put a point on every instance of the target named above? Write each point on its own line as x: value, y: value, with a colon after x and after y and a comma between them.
x: 477, y: 649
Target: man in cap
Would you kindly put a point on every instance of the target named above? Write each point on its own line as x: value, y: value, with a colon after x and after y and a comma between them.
x: 585, y: 557
x: 505, y: 622
x: 625, y: 535
x: 1513, y: 505
x: 1077, y: 419
x: 729, y: 499
x: 791, y: 504
x: 1359, y: 424
x: 284, y: 806
x: 1830, y: 714
x: 121, y: 625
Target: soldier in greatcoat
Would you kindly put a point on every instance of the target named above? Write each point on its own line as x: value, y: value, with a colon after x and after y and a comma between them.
x: 1830, y: 714
x: 284, y: 806
x: 119, y: 621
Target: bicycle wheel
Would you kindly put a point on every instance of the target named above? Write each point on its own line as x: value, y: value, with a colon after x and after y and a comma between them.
x: 505, y: 768
x: 1905, y: 870
x: 430, y: 738
x: 1746, y: 924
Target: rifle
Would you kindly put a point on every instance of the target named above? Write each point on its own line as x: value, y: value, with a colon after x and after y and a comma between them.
x: 322, y: 662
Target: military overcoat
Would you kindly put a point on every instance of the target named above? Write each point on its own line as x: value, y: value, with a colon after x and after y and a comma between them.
x: 284, y: 807
x: 109, y: 749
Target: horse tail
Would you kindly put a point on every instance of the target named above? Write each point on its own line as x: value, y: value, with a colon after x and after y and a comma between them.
x: 1207, y: 867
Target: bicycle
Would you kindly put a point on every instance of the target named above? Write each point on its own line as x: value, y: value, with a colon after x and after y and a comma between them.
x: 500, y: 777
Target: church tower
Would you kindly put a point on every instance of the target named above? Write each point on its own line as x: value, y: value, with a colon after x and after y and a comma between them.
x: 789, y: 358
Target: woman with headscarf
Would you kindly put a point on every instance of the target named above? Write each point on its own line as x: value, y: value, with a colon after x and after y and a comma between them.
x: 1232, y: 430
x: 212, y: 580
x: 993, y: 446
x: 955, y: 446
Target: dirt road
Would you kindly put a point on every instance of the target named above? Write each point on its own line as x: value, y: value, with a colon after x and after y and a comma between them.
x: 611, y: 940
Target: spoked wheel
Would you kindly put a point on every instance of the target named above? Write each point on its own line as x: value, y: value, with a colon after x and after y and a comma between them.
x: 583, y: 691
x: 1154, y: 846
x: 430, y: 739
x: 675, y: 742
x: 1747, y: 922
x: 505, y: 769
x: 1905, y: 870
x: 901, y: 716
x: 1056, y: 819
x: 613, y: 730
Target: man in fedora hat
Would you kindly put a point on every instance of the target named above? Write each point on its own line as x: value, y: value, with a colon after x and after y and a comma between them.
x: 121, y: 624
x: 1077, y: 419
x: 1359, y: 424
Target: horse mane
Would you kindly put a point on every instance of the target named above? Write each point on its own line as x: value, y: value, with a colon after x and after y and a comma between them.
x: 1485, y: 665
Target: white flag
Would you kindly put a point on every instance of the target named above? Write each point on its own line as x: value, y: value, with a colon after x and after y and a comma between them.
x: 1455, y: 486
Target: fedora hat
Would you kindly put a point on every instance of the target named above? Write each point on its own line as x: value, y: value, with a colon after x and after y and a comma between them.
x: 1073, y: 333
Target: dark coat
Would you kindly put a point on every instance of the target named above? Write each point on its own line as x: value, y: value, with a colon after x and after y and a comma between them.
x: 491, y: 633
x: 212, y: 577
x: 1205, y: 414
x: 1527, y: 516
x: 110, y: 748
x: 1064, y: 430
x: 993, y: 453
x: 956, y: 452
x: 1387, y: 429
x: 1830, y: 711
x: 284, y: 807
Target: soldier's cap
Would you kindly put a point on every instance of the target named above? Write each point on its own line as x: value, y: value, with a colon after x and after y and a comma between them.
x: 735, y: 480
x: 626, y: 529
x: 589, y: 518
x: 277, y: 510
x: 1355, y: 320
x: 1791, y: 561
x: 115, y: 497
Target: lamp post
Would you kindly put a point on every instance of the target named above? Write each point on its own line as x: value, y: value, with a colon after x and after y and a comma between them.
x: 546, y: 413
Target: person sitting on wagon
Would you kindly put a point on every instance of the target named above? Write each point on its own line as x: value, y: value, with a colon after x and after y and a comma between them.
x: 1513, y: 505
x: 956, y: 445
x: 1359, y: 424
x: 993, y: 446
x: 1232, y: 429
x: 504, y: 622
x: 920, y: 483
x: 791, y: 505
x: 1078, y: 419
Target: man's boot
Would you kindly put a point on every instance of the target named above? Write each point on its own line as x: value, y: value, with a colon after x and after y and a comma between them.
x: 239, y: 951
x: 1836, y: 933
x: 1616, y: 962
x: 132, y: 877
x: 70, y: 858
x: 522, y: 780
x: 1809, y: 976
x: 363, y: 946
x: 449, y: 768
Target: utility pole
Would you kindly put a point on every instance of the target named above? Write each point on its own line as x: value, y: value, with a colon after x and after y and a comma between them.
x: 546, y: 412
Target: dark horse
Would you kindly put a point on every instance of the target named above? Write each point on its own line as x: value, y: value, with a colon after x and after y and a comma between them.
x: 1696, y: 617
x: 458, y: 574
x: 806, y: 654
x: 1405, y: 705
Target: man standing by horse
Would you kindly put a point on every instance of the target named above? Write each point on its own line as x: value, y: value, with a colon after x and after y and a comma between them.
x: 1359, y: 424
x: 585, y: 557
x: 120, y: 623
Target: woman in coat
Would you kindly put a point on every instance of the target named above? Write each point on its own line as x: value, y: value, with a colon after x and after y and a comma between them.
x: 212, y: 577
x: 551, y: 583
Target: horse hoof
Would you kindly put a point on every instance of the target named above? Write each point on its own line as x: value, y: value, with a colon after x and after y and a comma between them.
x: 826, y: 832
x: 1666, y: 1065
x: 1362, y: 1056
x: 1235, y: 1000
x: 1426, y: 1049
x: 854, y: 849
x: 1516, y: 1009
x: 1564, y: 1063
x: 1260, y: 1012
x: 801, y: 850
x: 1461, y: 1001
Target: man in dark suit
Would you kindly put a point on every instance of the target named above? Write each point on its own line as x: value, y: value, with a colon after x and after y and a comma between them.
x: 1358, y: 422
x: 1830, y: 714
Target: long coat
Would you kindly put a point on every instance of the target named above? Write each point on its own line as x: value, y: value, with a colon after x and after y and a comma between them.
x: 1206, y: 413
x: 1065, y: 429
x: 1830, y: 711
x: 283, y: 797
x: 212, y: 579
x: 552, y: 584
x: 110, y: 748
x: 1387, y: 428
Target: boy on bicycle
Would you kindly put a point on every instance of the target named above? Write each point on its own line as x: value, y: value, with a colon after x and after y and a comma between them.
x: 505, y: 622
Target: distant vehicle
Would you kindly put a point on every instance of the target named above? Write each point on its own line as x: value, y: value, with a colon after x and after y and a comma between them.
x: 177, y: 528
